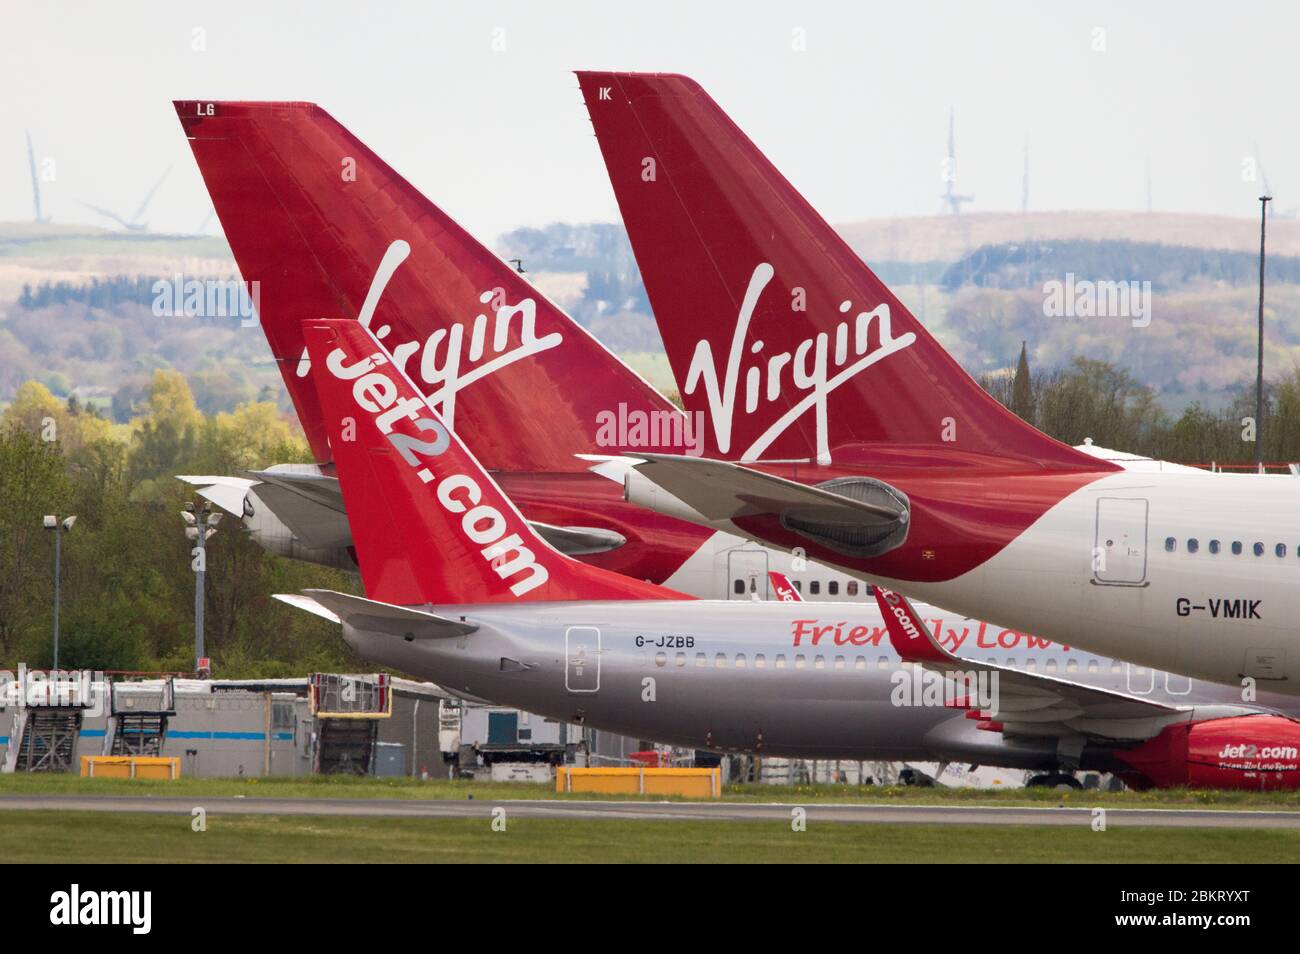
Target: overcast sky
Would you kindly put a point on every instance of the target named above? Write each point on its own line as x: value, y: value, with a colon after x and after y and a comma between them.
x: 500, y: 138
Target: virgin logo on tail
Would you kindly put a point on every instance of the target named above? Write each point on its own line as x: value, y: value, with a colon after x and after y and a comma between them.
x: 444, y: 372
x: 814, y: 370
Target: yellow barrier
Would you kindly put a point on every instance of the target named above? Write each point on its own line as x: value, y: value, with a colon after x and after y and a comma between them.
x: 130, y: 766
x: 687, y: 782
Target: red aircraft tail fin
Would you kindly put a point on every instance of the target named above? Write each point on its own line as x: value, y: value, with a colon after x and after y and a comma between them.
x: 907, y: 632
x: 775, y: 329
x: 783, y: 588
x: 328, y: 230
x: 429, y: 524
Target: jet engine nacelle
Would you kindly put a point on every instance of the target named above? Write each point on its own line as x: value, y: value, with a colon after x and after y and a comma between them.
x: 1248, y: 751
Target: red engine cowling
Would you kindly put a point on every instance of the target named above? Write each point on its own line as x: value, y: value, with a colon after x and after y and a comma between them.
x: 1252, y: 751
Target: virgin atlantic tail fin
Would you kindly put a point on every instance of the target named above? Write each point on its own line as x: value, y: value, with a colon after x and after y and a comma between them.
x: 775, y: 329
x: 428, y: 523
x: 328, y: 230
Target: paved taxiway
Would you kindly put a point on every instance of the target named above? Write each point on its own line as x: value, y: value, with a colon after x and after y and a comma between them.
x: 659, y: 811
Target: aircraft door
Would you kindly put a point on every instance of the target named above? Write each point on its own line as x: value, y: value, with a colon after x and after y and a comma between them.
x: 747, y: 574
x: 582, y: 659
x: 1120, y: 546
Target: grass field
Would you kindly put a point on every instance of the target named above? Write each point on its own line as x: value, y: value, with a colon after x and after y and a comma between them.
x: 45, y: 836
x: 347, y: 787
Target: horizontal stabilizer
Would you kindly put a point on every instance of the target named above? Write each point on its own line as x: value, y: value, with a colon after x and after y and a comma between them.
x: 307, y: 605
x: 228, y: 493
x: 858, y: 516
x: 377, y: 617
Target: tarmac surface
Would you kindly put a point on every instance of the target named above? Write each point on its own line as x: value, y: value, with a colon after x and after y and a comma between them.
x: 659, y: 811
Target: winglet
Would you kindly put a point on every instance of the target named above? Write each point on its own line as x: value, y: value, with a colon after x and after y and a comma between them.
x: 907, y: 633
x: 783, y: 588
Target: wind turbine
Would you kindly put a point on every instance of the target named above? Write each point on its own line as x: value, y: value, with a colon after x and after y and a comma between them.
x: 950, y: 196
x: 133, y: 224
x: 1268, y: 188
x: 36, y: 182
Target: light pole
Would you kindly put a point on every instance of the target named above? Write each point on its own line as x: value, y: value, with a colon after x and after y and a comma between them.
x: 52, y: 522
x: 200, y: 524
x: 1264, y: 200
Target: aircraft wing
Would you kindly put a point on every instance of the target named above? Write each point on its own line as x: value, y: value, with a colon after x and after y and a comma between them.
x: 1026, y: 703
x: 377, y: 617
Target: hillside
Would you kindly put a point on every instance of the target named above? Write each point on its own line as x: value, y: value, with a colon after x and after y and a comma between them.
x: 945, y: 238
x: 975, y: 281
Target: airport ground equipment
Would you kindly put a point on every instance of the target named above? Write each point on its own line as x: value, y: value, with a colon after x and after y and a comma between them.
x: 138, y: 718
x: 347, y: 711
x: 45, y: 720
x: 130, y: 766
x: 641, y: 780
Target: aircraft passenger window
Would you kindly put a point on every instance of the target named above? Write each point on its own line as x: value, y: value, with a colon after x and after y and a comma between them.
x: 720, y: 661
x: 1258, y: 548
x: 819, y: 662
x: 815, y: 587
x: 1193, y: 545
x: 1092, y: 665
x: 738, y: 587
x: 992, y: 661
x: 869, y: 590
x: 800, y: 662
x: 1031, y: 664
x: 661, y: 659
x: 701, y: 660
x: 740, y: 660
x: 1051, y: 665
x: 1280, y: 549
x: 860, y: 663
x: 760, y: 661
x: 1072, y: 665
x: 882, y: 662
x: 839, y: 662
x: 1115, y: 666
x: 1236, y: 548
x: 852, y: 588
x: 780, y: 662
x: 1214, y: 546
x: 1011, y: 661
x: 681, y: 660
x: 1170, y: 544
x: 798, y: 585
x: 833, y: 587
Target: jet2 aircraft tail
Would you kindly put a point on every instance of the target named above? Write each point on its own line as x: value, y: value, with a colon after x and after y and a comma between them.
x: 429, y: 524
